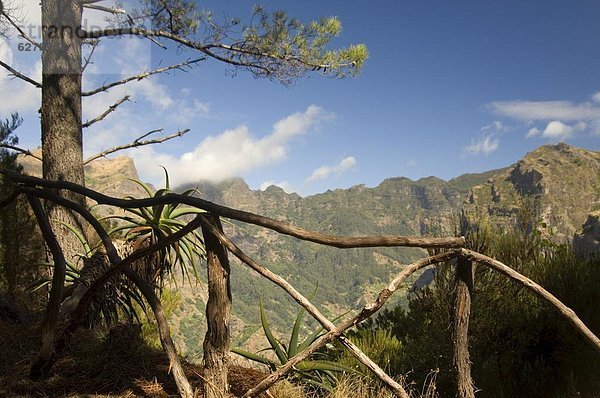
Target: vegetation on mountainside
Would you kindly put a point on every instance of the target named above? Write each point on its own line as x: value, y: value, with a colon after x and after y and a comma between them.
x: 544, y: 355
x: 519, y: 345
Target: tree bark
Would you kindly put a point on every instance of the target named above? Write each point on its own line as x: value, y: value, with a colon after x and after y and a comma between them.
x: 460, y: 328
x: 218, y: 313
x: 62, y: 147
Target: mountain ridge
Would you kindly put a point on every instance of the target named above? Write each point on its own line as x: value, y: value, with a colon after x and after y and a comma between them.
x: 561, y: 181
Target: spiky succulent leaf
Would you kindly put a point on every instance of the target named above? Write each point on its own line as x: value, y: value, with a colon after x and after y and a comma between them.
x: 275, y: 344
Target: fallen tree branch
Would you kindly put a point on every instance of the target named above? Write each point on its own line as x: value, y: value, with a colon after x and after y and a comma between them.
x: 135, y: 144
x: 39, y: 368
x: 105, y: 113
x: 343, y: 242
x: 336, y: 332
x: 141, y: 76
x: 21, y: 76
x: 306, y: 304
x: 538, y: 290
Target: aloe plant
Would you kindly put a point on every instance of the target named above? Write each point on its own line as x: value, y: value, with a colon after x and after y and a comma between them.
x: 149, y: 225
x: 315, y: 371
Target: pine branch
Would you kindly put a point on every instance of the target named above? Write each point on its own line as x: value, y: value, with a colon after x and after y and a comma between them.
x: 106, y: 113
x: 20, y: 75
x: 136, y: 143
x: 141, y: 76
x: 208, y: 49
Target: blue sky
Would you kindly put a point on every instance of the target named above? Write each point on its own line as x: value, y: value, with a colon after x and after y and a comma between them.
x: 449, y: 88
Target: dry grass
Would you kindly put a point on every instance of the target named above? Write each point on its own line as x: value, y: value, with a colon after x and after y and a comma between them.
x: 118, y: 364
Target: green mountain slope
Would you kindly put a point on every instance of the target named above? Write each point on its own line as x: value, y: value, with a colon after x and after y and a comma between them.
x: 563, y: 182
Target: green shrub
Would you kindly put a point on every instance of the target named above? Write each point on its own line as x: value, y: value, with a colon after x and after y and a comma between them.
x: 519, y: 344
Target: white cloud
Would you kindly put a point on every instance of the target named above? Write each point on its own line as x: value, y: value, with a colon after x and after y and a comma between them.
x: 324, y: 172
x: 533, y: 132
x: 482, y: 146
x: 564, y: 119
x: 545, y: 110
x: 557, y: 130
x: 188, y: 109
x: 232, y: 153
x: 487, y: 140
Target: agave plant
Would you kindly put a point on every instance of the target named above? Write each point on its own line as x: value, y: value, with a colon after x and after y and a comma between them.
x: 149, y: 225
x: 316, y: 370
x: 116, y: 299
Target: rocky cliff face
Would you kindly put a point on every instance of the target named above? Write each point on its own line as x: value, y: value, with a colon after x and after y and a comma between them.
x: 109, y: 176
x: 560, y: 181
x: 586, y: 242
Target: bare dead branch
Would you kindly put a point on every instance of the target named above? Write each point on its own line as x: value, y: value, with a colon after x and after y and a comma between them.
x: 21, y: 32
x: 336, y: 332
x: 88, y: 59
x: 21, y: 76
x: 538, y: 290
x: 135, y: 144
x: 115, y: 11
x: 141, y: 76
x: 183, y: 385
x: 106, y: 113
x: 147, y: 134
x: 343, y: 242
x: 25, y: 152
x: 39, y: 367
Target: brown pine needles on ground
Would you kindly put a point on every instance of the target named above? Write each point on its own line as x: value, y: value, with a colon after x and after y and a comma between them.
x: 119, y: 364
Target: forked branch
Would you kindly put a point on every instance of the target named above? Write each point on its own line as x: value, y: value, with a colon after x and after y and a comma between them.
x: 106, y: 112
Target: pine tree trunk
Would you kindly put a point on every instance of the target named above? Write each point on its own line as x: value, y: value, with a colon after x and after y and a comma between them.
x: 460, y: 328
x: 218, y: 313
x: 62, y: 147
